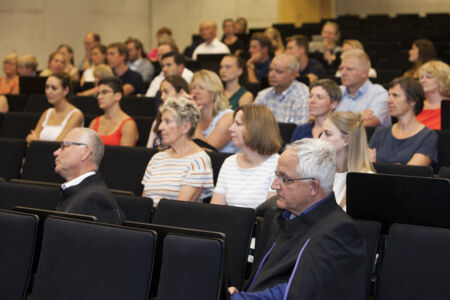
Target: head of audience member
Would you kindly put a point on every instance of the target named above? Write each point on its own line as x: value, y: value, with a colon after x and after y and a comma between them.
x: 172, y: 64
x: 173, y: 86
x: 117, y: 55
x: 324, y: 97
x: 10, y: 65
x: 57, y: 87
x: 27, y: 65
x: 275, y: 38
x: 208, y: 31
x: 255, y: 127
x: 231, y: 68
x: 330, y: 33
x: 351, y: 44
x: 240, y: 26
x: 163, y: 32
x: 282, y: 72
x: 207, y: 92
x: 261, y: 46
x: 228, y: 27
x: 110, y: 92
x: 355, y: 66
x: 298, y: 46
x: 81, y: 151
x: 56, y: 62
x: 422, y: 50
x: 91, y: 39
x: 135, y: 49
x: 166, y: 45
x: 345, y: 130
x: 67, y: 52
x: 435, y: 78
x: 98, y: 55
x: 304, y: 174
x: 102, y: 71
x: 179, y: 118
x: 405, y: 97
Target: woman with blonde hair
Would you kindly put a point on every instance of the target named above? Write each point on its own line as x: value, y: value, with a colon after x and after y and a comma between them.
x: 345, y: 130
x: 69, y: 68
x: 100, y: 72
x: 10, y: 83
x: 215, y: 115
x: 277, y: 41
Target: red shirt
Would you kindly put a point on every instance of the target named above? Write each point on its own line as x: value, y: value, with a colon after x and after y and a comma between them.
x: 430, y: 118
x: 114, y: 138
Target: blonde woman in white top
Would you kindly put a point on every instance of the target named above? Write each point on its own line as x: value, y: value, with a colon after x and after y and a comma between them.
x: 55, y: 122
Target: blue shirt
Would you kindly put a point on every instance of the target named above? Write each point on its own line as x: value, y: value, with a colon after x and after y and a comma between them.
x: 369, y: 96
x: 262, y: 69
x: 303, y: 131
x: 314, y: 67
x: 291, y: 106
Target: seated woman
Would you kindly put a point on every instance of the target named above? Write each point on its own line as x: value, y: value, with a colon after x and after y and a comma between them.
x: 408, y: 141
x: 422, y: 51
x: 245, y: 178
x: 100, y: 72
x: 115, y: 127
x: 55, y: 122
x: 55, y: 63
x: 231, y: 69
x: 10, y: 83
x: 69, y: 68
x: 184, y: 171
x: 354, y: 44
x: 277, y: 43
x: 435, y: 79
x: 98, y: 57
x: 27, y: 65
x: 345, y: 130
x: 171, y: 87
x: 230, y: 39
x: 324, y: 97
x: 215, y: 116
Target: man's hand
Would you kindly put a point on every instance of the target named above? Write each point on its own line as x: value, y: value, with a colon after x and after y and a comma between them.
x: 367, y: 114
x: 232, y: 290
x: 255, y: 58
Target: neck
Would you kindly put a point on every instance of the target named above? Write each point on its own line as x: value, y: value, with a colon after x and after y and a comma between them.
x: 210, y: 40
x: 407, y: 122
x: 120, y: 69
x: 232, y: 85
x: 320, y: 119
x: 182, y: 146
x: 434, y: 98
x: 303, y: 61
x: 252, y: 157
x: 61, y: 105
x: 11, y: 76
x: 113, y: 112
x: 280, y: 90
x: 352, y: 90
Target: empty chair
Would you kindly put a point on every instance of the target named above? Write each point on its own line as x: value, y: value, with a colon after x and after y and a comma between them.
x: 12, y: 152
x: 407, y: 170
x: 16, y: 102
x: 86, y: 260
x: 135, y: 208
x: 36, y: 103
x: 17, y: 238
x: 191, y: 268
x: 214, y: 218
x: 16, y: 194
x: 443, y: 148
x: 139, y: 106
x: 39, y: 163
x: 415, y: 264
x: 217, y: 159
x: 87, y: 104
x: 18, y: 124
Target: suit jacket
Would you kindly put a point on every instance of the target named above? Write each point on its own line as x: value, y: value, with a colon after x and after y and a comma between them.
x: 319, y: 254
x: 91, y: 197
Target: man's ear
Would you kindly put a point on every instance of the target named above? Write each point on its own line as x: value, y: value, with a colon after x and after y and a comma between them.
x: 314, y: 187
x: 87, y: 152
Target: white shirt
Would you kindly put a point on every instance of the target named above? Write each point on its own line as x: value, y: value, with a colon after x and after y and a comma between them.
x: 156, y: 82
x: 215, y: 47
x: 77, y: 180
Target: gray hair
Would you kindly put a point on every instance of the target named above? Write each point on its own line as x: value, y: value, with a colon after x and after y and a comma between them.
x: 317, y: 159
x: 91, y: 137
x: 184, y: 111
x: 293, y: 64
x: 359, y: 55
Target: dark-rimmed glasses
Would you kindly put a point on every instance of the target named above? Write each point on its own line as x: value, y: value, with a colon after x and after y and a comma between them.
x: 285, y: 180
x: 65, y: 144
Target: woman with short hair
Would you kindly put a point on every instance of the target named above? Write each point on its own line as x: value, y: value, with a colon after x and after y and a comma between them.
x: 56, y: 63
x: 10, y: 83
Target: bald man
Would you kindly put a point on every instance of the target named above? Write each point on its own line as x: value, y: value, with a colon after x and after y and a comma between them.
x: 91, y: 39
x: 211, y: 45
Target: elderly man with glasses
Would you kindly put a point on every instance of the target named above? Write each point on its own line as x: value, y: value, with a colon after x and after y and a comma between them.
x: 309, y: 248
x: 84, y: 192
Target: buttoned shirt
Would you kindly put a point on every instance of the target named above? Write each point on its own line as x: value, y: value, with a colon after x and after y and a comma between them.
x: 215, y: 47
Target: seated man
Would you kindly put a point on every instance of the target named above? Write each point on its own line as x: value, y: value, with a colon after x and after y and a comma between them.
x: 311, y: 248
x: 259, y: 61
x: 137, y: 61
x: 359, y: 95
x: 117, y: 55
x: 211, y: 45
x: 27, y: 65
x: 84, y: 192
x: 286, y: 98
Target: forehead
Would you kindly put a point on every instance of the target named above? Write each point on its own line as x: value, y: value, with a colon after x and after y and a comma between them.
x: 293, y: 43
x: 113, y: 50
x: 287, y: 163
x: 319, y: 90
x: 131, y: 45
x: 168, y: 60
x: 329, y: 28
x: 162, y: 49
x: 280, y: 62
x: 352, y: 62
x: 255, y: 43
x: 58, y: 56
x: 229, y: 60
x: 104, y: 87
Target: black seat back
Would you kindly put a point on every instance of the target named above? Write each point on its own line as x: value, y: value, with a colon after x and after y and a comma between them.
x: 139, y: 106
x: 39, y: 163
x: 36, y: 103
x: 18, y: 124
x: 406, y: 170
x: 87, y: 104
x: 12, y: 152
x: 16, y: 194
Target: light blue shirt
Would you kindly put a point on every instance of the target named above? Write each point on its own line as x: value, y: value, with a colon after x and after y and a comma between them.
x: 230, y: 147
x: 369, y: 96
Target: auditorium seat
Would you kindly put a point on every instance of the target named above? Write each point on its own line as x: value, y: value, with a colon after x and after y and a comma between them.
x: 139, y: 106
x: 445, y: 114
x: 217, y: 159
x: 286, y: 131
x: 12, y: 152
x: 36, y: 103
x: 144, y: 125
x: 87, y: 104
x: 444, y: 172
x: 16, y: 102
x: 443, y: 148
x: 138, y: 209
x: 39, y: 163
x: 17, y: 194
x: 18, y: 124
x: 406, y: 170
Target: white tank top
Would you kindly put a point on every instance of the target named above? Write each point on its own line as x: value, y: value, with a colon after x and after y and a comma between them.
x: 50, y: 133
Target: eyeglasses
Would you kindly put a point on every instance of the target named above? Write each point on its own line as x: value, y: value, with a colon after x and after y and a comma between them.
x: 104, y: 92
x: 65, y: 144
x: 286, y: 180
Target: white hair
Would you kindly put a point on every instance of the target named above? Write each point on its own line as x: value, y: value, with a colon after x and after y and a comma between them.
x: 316, y: 159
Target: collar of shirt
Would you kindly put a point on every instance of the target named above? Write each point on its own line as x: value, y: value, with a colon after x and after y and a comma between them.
x: 359, y: 92
x: 76, y: 180
x: 283, y: 95
x: 133, y: 65
x: 289, y: 216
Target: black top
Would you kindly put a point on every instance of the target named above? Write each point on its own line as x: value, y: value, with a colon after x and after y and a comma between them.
x: 135, y: 79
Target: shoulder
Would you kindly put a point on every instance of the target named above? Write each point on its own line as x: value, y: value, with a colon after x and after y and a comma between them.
x: 270, y: 91
x: 428, y: 134
x: 201, y: 160
x: 299, y: 87
x: 376, y: 88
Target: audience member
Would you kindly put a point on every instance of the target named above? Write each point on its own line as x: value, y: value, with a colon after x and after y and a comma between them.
x: 330, y: 48
x: 231, y: 69
x: 55, y: 63
x: 408, y: 141
x: 230, y: 39
x: 210, y: 45
x: 91, y: 39
x: 240, y: 25
x: 354, y: 44
x: 324, y: 97
x: 435, y: 79
x: 57, y: 121
x: 10, y: 83
x: 184, y: 171
x: 84, y: 192
x: 245, y: 178
x: 345, y: 130
x: 137, y: 60
x: 27, y: 65
x: 310, y: 249
x: 162, y: 32
x: 69, y: 68
x: 115, y: 127
x: 421, y: 51
x: 98, y: 57
x: 215, y: 116
x: 297, y: 46
x: 171, y: 87
x: 259, y: 62
x: 276, y: 40
x: 359, y: 95
x: 286, y: 98
x: 99, y: 72
x: 117, y: 55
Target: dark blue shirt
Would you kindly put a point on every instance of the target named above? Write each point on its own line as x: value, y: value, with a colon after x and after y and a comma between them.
x: 262, y: 69
x: 135, y: 79
x: 314, y: 67
x: 303, y: 131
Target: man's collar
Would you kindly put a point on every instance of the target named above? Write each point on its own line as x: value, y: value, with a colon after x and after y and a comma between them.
x: 76, y: 180
x: 289, y: 216
x: 360, y: 91
x: 286, y: 91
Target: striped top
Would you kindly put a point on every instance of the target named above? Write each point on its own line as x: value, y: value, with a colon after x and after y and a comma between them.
x: 246, y: 187
x: 165, y: 175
